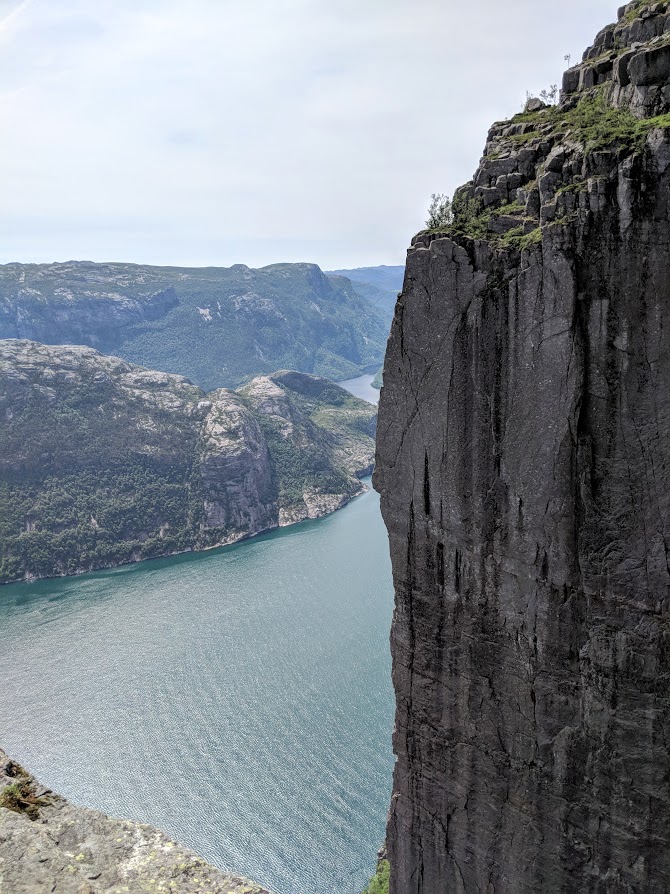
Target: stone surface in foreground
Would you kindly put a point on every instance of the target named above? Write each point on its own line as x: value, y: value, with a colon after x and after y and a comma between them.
x: 50, y: 845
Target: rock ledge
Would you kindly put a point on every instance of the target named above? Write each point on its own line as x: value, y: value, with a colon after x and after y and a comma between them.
x: 50, y: 845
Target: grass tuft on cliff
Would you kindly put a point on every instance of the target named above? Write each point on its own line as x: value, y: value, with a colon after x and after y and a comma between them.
x: 592, y: 122
x: 639, y: 5
x: 21, y: 797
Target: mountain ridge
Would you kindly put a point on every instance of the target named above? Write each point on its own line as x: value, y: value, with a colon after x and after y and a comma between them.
x: 217, y: 326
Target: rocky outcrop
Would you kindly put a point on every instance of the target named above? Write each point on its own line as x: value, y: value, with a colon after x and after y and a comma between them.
x: 631, y: 59
x: 523, y: 444
x: 103, y: 462
x: 48, y: 844
x: 240, y: 492
x: 79, y: 313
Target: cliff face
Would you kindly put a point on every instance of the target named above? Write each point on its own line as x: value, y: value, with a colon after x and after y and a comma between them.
x: 524, y: 466
x: 48, y: 844
x: 103, y: 462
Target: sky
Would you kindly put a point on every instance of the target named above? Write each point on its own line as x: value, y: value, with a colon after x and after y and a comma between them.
x: 214, y: 132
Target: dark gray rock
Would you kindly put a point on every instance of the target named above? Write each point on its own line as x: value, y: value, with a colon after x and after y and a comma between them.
x: 532, y: 207
x: 621, y: 74
x: 548, y: 184
x: 503, y: 223
x: 523, y: 461
x: 650, y: 67
x: 587, y: 77
x: 571, y: 79
x: 490, y: 196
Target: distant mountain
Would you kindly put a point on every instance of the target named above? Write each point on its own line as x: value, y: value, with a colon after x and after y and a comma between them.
x: 380, y: 285
x: 217, y: 326
x: 103, y: 462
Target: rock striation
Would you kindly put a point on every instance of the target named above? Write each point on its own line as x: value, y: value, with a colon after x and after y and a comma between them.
x: 523, y: 462
x: 103, y: 462
x: 50, y: 845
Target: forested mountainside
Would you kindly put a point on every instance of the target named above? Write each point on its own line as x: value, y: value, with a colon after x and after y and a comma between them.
x: 524, y: 469
x: 49, y: 844
x: 103, y: 462
x: 217, y: 326
x: 380, y: 285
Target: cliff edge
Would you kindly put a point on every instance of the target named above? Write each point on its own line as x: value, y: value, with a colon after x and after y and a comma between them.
x: 48, y: 844
x: 523, y: 462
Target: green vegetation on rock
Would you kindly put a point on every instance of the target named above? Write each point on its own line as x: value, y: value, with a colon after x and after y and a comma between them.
x: 592, y: 121
x: 379, y: 883
x: 218, y: 326
x: 103, y: 462
x: 585, y: 124
x: 638, y: 5
x: 21, y: 797
x: 318, y: 439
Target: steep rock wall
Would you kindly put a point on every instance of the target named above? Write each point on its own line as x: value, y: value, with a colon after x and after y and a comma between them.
x: 524, y: 466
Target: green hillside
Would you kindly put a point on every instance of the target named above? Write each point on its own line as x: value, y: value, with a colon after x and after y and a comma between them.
x: 103, y: 462
x: 217, y: 326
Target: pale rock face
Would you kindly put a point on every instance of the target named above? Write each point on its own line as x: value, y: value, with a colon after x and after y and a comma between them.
x: 314, y: 506
x: 236, y: 471
x: 522, y: 461
x: 271, y: 400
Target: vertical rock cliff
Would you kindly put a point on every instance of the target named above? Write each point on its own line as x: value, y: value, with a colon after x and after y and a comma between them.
x: 524, y: 467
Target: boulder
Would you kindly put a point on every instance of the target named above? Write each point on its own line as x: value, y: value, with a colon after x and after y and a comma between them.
x: 535, y: 105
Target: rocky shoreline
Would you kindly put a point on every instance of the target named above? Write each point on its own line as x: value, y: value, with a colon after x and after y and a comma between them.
x: 315, y: 508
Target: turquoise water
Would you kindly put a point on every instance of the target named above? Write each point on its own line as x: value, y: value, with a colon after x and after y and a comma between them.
x: 239, y: 699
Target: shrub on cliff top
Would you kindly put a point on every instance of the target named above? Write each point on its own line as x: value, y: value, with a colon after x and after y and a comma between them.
x: 440, y: 212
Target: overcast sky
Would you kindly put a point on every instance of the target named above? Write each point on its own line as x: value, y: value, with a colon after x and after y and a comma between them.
x: 254, y: 131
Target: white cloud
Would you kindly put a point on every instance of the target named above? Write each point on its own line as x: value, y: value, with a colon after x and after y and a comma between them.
x: 214, y: 132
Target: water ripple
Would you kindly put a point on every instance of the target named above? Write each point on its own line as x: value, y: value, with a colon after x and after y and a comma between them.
x: 240, y: 699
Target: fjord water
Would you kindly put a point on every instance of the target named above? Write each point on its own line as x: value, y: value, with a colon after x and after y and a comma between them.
x: 361, y: 387
x: 238, y: 699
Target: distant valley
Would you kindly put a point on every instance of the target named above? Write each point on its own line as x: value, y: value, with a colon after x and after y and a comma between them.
x: 379, y: 285
x: 217, y: 326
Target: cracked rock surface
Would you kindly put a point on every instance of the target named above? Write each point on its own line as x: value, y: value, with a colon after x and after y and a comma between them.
x: 523, y: 462
x: 60, y: 848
